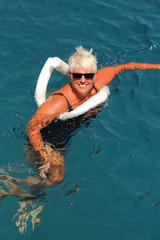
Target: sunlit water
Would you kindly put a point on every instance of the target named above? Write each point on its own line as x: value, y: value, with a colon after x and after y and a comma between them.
x: 113, y: 165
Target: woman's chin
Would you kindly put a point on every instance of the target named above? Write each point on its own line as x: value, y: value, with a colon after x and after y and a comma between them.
x: 83, y: 91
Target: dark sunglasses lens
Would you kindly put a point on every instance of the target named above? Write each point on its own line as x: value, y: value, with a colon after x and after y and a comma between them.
x: 77, y: 76
x: 89, y: 76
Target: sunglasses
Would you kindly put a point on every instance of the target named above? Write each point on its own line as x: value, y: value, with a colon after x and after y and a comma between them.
x: 78, y: 76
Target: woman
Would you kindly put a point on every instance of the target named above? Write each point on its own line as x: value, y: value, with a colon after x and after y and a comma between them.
x: 85, y: 82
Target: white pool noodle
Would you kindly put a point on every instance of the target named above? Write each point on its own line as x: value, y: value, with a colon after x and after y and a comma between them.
x: 91, y: 103
x: 45, y: 74
x: 61, y: 66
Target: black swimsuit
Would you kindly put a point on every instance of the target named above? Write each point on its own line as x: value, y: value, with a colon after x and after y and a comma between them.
x: 58, y: 132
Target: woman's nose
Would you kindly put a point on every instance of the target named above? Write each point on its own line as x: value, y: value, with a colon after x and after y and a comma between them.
x: 83, y: 79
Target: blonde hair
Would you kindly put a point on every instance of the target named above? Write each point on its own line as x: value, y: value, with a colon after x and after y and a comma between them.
x: 83, y: 58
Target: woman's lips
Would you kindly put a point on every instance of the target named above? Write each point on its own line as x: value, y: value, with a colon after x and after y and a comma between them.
x: 82, y: 85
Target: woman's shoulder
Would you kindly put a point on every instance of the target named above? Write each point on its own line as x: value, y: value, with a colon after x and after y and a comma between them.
x: 54, y: 105
x: 104, y: 76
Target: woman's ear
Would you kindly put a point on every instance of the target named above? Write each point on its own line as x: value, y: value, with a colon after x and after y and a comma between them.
x: 94, y: 79
x: 69, y: 74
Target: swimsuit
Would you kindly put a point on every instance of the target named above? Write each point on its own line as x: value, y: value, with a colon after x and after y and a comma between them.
x: 58, y: 133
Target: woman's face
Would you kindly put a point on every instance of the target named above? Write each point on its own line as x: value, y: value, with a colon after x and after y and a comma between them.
x: 82, y: 84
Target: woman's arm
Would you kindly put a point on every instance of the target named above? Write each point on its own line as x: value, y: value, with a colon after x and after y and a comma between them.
x: 135, y: 66
x: 107, y: 74
x: 36, y: 123
x: 45, y: 114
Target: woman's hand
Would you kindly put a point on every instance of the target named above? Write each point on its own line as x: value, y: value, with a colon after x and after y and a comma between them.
x: 44, y: 169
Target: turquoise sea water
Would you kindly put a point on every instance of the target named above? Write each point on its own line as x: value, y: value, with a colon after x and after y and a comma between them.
x: 113, y: 165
